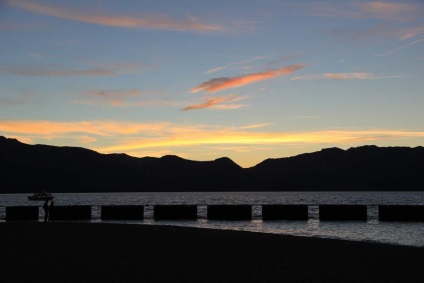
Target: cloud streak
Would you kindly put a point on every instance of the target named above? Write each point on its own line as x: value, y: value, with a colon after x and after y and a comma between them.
x: 60, y: 72
x: 370, y: 10
x: 217, y: 103
x: 148, y: 22
x: 216, y: 69
x: 219, y: 84
x: 346, y: 76
x: 399, y: 48
x: 111, y: 97
x: 139, y: 138
x: 94, y: 128
x: 126, y: 98
x: 411, y: 32
x: 165, y: 134
x: 97, y: 70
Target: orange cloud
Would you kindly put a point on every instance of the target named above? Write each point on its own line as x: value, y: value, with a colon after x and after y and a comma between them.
x: 236, y: 137
x: 152, y: 22
x: 219, y: 84
x: 214, y: 101
x: 111, y: 137
x: 164, y: 134
x: 97, y: 128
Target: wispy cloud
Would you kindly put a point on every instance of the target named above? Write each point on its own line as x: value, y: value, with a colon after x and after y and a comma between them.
x: 411, y: 32
x: 222, y: 137
x: 370, y: 10
x: 135, y: 136
x: 92, y: 128
x: 59, y: 72
x: 148, y: 21
x: 399, y: 48
x: 256, y: 126
x: 346, y: 76
x: 219, y: 102
x: 305, y: 117
x: 112, y: 97
x: 126, y: 98
x: 95, y: 69
x: 237, y: 63
x: 15, y: 99
x: 219, y: 84
x: 141, y: 138
x: 387, y: 8
x: 35, y: 55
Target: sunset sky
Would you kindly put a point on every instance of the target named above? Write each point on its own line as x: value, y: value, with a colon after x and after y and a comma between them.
x: 204, y: 79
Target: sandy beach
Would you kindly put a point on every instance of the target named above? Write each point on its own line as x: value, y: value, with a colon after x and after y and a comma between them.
x: 99, y: 252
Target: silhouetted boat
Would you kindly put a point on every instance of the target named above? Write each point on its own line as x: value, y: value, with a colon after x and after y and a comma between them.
x: 41, y: 196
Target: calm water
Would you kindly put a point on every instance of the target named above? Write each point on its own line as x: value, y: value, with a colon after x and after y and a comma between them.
x: 411, y: 234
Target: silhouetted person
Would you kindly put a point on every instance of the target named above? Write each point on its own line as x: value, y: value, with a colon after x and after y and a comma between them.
x: 51, y: 208
x: 46, y: 211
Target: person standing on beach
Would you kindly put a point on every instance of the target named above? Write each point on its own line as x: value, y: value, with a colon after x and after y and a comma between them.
x: 46, y: 211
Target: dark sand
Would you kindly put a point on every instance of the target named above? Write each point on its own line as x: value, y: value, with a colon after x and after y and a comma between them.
x: 88, y: 252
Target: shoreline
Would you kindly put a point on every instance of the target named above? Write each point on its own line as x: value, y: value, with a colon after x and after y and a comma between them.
x: 112, y: 252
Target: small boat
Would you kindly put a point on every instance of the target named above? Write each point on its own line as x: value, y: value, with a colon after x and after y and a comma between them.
x: 41, y: 196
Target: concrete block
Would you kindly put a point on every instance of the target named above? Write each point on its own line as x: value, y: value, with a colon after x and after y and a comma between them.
x: 122, y: 212
x: 343, y: 212
x: 284, y: 212
x: 69, y: 213
x: 22, y: 213
x: 401, y: 213
x: 175, y: 212
x: 229, y: 212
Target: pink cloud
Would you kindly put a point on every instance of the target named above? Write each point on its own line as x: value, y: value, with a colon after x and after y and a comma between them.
x: 387, y: 8
x: 217, y: 102
x: 219, y: 84
x: 115, y: 98
x: 114, y: 94
x: 151, y: 21
x: 346, y: 76
x: 371, y: 10
x: 412, y: 32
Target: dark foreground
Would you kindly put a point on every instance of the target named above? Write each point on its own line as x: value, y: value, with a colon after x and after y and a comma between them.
x: 84, y: 252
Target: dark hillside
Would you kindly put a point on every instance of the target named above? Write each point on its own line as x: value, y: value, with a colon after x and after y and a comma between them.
x: 31, y: 168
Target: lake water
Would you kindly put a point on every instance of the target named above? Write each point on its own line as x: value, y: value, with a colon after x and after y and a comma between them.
x: 400, y: 233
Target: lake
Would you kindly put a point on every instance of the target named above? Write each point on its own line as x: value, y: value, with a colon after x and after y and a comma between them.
x: 400, y: 233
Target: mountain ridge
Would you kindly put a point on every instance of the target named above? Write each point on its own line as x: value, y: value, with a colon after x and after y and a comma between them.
x: 31, y: 168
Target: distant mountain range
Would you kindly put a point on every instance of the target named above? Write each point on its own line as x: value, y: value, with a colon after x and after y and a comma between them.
x: 31, y: 168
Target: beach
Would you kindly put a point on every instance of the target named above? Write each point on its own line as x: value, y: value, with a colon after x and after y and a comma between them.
x: 101, y: 252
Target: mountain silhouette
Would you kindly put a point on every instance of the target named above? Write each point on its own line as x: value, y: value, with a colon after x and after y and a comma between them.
x: 31, y: 168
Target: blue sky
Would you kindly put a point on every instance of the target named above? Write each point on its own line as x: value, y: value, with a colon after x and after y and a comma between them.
x: 204, y: 79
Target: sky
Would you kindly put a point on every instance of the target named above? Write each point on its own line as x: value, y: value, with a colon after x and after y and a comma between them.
x: 249, y: 80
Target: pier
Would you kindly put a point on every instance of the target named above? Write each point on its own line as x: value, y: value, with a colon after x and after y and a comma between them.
x: 246, y: 212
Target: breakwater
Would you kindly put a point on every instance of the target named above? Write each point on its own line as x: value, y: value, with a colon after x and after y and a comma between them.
x: 412, y: 213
